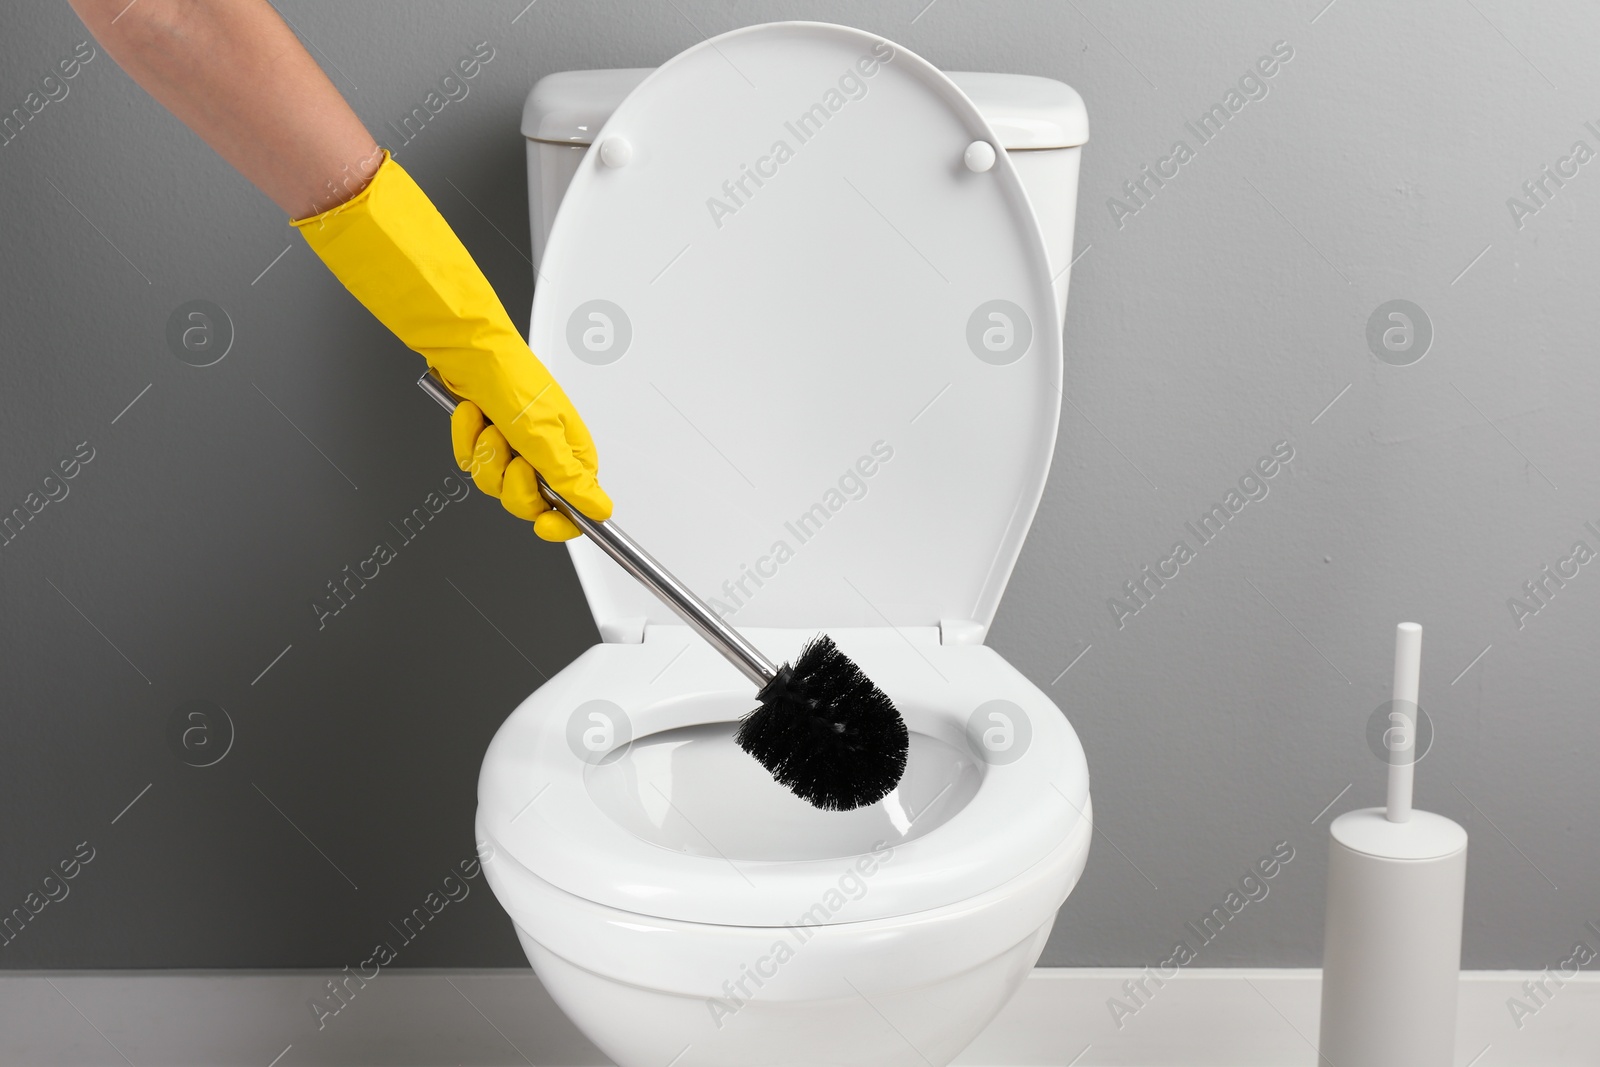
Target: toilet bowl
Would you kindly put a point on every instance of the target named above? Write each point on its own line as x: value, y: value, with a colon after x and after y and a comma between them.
x: 825, y: 380
x: 671, y: 895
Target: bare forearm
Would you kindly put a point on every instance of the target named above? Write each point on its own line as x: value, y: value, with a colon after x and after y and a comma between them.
x: 235, y: 74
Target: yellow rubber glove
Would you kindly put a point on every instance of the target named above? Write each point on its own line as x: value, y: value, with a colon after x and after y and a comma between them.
x: 394, y: 251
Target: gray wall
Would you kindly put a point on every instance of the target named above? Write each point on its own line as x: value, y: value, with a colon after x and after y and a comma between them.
x: 1217, y: 321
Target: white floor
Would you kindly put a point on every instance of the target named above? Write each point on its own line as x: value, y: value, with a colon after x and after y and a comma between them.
x: 1225, y: 1018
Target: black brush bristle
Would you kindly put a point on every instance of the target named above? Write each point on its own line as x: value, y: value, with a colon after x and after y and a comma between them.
x: 826, y: 732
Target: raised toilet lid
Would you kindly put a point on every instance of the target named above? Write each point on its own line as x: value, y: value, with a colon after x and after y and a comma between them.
x: 818, y: 351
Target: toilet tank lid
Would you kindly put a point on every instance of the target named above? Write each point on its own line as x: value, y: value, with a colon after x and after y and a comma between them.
x: 570, y: 107
x: 1026, y: 111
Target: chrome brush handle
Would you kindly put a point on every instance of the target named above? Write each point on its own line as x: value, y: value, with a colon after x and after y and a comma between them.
x: 610, y: 539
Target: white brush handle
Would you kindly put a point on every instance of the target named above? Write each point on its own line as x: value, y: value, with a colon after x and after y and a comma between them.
x: 610, y: 539
x: 1407, y: 682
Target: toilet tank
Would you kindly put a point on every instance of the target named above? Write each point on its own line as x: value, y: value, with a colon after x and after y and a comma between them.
x: 1041, y: 123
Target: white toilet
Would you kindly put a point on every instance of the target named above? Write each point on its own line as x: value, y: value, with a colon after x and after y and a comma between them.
x: 812, y: 318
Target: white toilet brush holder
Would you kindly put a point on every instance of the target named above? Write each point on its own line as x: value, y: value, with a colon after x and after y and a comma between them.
x: 1397, y: 877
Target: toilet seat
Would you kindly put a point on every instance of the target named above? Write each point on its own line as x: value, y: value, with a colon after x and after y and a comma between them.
x: 536, y: 806
x: 761, y: 231
x: 694, y: 959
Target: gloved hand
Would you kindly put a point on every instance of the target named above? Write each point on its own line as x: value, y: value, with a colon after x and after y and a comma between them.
x: 394, y: 251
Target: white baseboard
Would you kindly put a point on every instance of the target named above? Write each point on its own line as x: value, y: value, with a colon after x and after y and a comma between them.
x: 1204, y: 1018
x: 1227, y: 1017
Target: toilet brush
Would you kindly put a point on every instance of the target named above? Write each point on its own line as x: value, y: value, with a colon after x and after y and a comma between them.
x: 821, y: 727
x: 1396, y: 883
